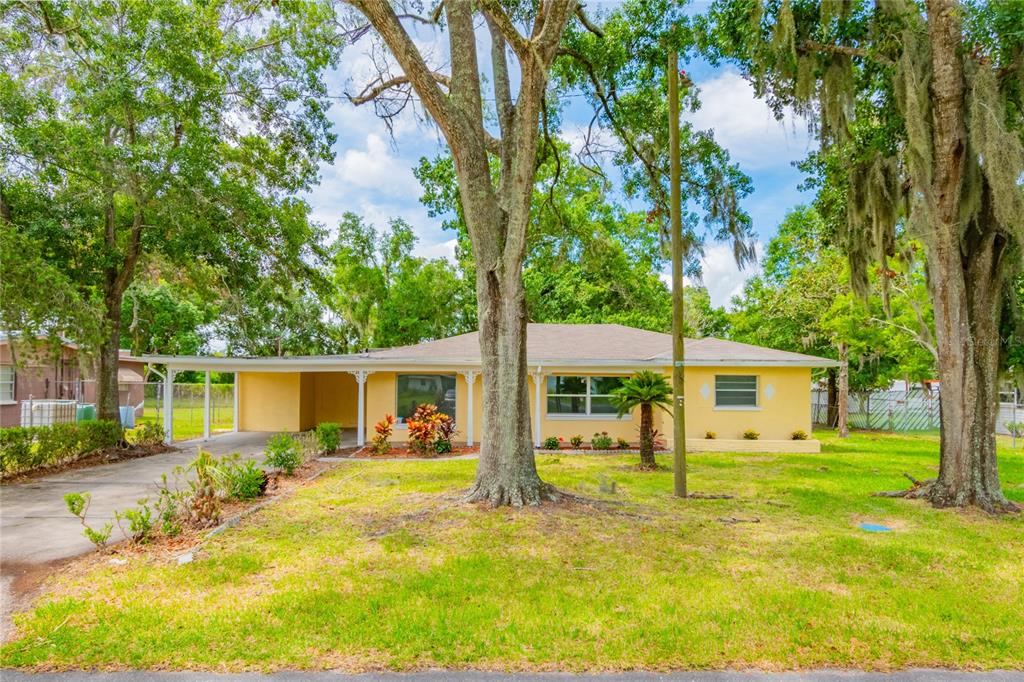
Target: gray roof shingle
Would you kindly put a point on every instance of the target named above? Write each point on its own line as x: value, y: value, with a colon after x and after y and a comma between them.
x: 605, y: 343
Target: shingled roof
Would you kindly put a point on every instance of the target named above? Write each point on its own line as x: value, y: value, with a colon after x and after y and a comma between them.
x: 603, y: 343
x: 551, y: 345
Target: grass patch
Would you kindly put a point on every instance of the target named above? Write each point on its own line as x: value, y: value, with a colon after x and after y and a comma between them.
x: 188, y: 421
x: 378, y: 565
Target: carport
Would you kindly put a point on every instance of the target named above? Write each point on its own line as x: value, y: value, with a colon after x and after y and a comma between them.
x: 277, y: 394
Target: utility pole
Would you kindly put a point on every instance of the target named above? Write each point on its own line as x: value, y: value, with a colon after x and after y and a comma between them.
x: 678, y: 343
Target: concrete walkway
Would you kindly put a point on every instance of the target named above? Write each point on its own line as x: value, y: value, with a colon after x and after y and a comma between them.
x: 470, y: 676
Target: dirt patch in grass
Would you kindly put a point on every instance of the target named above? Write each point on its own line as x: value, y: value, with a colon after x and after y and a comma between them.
x: 105, y: 456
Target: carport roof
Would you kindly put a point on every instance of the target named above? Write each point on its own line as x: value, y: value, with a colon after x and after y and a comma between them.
x: 547, y: 344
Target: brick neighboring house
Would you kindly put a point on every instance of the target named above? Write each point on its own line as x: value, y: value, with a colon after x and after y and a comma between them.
x: 59, y: 378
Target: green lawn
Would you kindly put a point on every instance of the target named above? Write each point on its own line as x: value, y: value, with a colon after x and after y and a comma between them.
x: 188, y: 421
x: 378, y: 565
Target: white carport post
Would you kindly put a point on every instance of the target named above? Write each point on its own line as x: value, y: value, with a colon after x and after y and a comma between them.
x: 206, y: 407
x: 168, y: 405
x: 470, y: 376
x: 538, y: 378
x: 360, y: 376
x: 234, y: 418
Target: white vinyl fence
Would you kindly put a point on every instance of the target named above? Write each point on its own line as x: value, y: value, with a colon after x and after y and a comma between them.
x: 913, y: 410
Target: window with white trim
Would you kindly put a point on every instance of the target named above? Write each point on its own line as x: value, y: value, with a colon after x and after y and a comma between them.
x: 6, y: 384
x: 735, y: 390
x: 582, y: 396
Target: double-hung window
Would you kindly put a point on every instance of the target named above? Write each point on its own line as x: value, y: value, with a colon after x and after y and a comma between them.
x: 581, y: 396
x: 414, y: 390
x: 735, y: 391
x: 6, y: 384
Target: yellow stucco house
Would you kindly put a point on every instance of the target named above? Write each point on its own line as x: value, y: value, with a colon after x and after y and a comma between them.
x: 730, y: 387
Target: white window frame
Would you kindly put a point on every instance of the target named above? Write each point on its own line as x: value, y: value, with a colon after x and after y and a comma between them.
x: 740, y: 408
x: 7, y: 382
x: 596, y: 416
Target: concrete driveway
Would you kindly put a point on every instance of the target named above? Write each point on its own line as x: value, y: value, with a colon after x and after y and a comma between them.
x: 37, y: 532
x: 35, y: 526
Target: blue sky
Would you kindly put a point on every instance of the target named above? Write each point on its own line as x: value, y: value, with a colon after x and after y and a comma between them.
x: 372, y: 171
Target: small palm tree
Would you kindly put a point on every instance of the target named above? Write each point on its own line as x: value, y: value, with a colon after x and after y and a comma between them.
x: 646, y: 389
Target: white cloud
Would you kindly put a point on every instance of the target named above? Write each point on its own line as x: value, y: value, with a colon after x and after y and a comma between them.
x: 374, y: 167
x: 438, y: 250
x: 746, y: 125
x: 720, y: 274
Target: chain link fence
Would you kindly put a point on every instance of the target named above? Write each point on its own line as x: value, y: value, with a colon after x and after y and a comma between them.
x: 188, y: 408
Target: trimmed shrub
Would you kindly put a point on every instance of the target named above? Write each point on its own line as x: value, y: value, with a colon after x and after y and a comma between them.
x: 328, y: 435
x: 551, y: 443
x: 23, y: 448
x: 283, y: 453
x: 799, y: 434
x: 751, y: 434
x: 60, y: 442
x: 99, y: 435
x: 16, y: 448
x: 710, y: 435
x: 601, y: 441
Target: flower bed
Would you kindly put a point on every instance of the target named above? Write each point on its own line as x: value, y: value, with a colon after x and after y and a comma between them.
x: 405, y: 452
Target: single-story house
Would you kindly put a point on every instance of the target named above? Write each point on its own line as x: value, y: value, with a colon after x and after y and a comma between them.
x: 43, y: 375
x: 730, y: 387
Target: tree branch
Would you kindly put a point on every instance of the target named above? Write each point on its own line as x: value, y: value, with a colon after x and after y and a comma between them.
x: 845, y: 50
x: 587, y: 24
x: 401, y: 45
x: 372, y: 92
x: 494, y: 13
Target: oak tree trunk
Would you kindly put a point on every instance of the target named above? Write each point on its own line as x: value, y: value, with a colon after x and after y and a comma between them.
x: 967, y: 340
x: 843, y: 406
x: 832, y: 411
x: 497, y: 214
x: 965, y: 275
x: 506, y: 472
x: 109, y: 359
x: 647, y: 460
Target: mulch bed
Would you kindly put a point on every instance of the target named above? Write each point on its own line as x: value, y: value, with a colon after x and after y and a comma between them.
x: 406, y: 453
x: 570, y: 450
x: 107, y: 456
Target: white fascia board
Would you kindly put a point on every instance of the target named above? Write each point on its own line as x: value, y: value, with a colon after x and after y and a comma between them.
x: 355, y: 363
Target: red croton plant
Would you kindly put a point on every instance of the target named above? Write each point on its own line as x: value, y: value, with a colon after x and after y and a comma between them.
x: 430, y: 431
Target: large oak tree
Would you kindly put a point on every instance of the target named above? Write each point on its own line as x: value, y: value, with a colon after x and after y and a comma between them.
x: 526, y: 39
x: 919, y: 109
